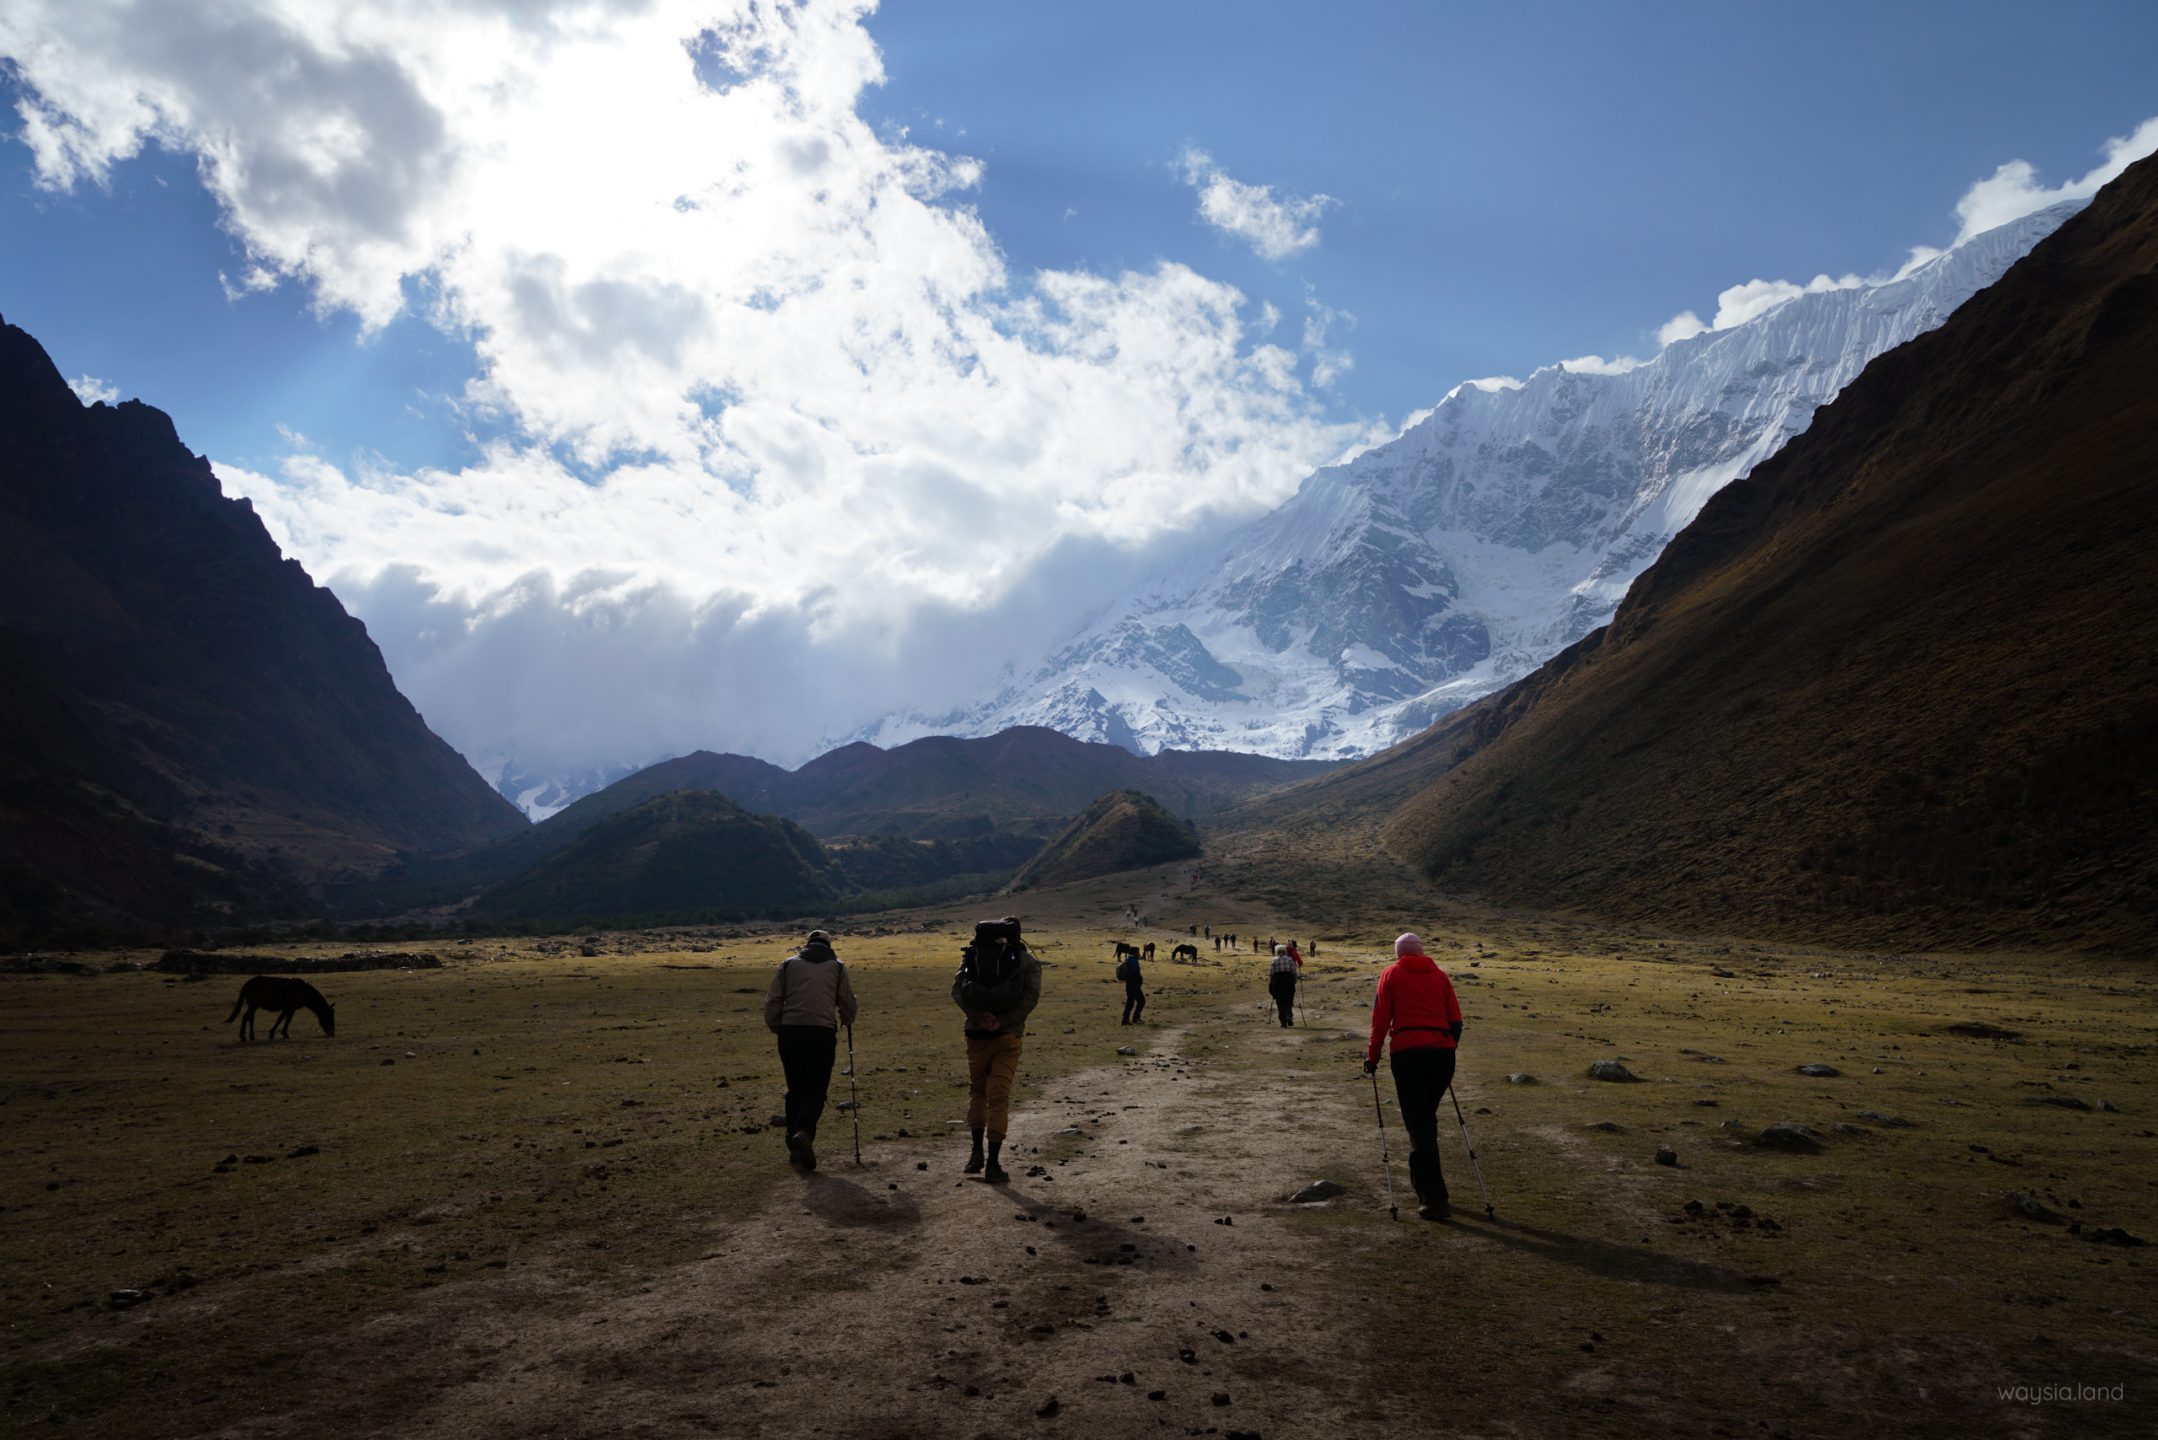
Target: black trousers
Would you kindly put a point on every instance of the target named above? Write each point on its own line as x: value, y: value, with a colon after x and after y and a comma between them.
x: 805, y: 1053
x: 1420, y: 1080
x: 1134, y: 1001
x: 1283, y: 989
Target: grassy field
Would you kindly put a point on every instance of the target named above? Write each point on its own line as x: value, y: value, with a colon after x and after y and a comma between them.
x: 590, y: 1125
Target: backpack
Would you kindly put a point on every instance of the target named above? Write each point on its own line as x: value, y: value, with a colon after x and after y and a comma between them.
x: 1123, y: 969
x: 993, y: 956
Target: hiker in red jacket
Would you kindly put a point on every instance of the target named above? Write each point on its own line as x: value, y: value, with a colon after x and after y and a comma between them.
x: 1416, y: 1007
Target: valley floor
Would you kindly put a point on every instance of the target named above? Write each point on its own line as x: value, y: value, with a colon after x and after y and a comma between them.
x: 543, y: 1199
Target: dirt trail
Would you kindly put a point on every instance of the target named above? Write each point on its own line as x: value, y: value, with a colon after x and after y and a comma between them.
x: 891, y: 1300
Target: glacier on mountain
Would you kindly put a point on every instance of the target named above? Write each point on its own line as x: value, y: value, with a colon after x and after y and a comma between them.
x: 1500, y: 527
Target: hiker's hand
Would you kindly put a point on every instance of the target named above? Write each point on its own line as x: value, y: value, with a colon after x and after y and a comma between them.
x: 990, y: 1021
x: 1371, y: 1067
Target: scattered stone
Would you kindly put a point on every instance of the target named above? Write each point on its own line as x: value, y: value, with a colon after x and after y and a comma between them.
x: 1521, y: 1077
x: 1612, y: 1070
x: 1710, y: 1104
x: 1820, y: 1072
x: 1887, y: 1122
x: 1609, y: 1127
x: 303, y: 1152
x: 2064, y: 1102
x: 1049, y: 1409
x: 777, y: 1122
x: 1221, y: 1397
x: 1665, y: 1155
x: 1126, y: 1050
x: 1316, y: 1191
x: 1845, y: 1127
x: 1980, y: 1030
x: 1722, y: 974
x: 1188, y: 1355
x: 2109, y: 1107
x: 2113, y: 1235
x: 2023, y: 1205
x: 1789, y: 1136
x: 125, y: 1299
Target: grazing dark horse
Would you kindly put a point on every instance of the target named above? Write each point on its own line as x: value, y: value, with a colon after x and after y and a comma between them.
x: 287, y: 997
x: 1185, y: 952
x: 1122, y: 950
x: 1149, y: 949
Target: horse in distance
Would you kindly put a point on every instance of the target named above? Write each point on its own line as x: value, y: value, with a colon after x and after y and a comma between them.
x: 286, y: 996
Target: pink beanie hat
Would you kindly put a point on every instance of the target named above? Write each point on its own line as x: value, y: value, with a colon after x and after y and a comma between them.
x: 1408, y: 943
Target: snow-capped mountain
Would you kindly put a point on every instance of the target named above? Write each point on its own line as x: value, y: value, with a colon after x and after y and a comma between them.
x: 1448, y: 562
x: 540, y: 796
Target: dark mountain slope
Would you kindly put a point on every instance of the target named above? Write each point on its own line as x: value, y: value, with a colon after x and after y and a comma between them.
x: 1123, y: 830
x: 1900, y: 685
x: 179, y: 672
x: 1024, y: 778
x: 687, y: 853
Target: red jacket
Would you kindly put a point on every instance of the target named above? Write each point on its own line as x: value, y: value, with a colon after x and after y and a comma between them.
x: 1416, y: 1005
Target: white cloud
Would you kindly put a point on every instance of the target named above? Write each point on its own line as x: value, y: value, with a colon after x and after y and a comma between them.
x: 1275, y: 228
x: 1597, y: 365
x: 2013, y: 191
x: 2007, y: 195
x: 90, y: 390
x: 1329, y: 361
x: 765, y: 371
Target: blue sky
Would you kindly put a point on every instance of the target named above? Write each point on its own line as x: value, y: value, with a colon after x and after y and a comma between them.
x: 919, y: 332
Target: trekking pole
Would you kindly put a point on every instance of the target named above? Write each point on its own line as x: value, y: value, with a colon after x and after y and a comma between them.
x: 1489, y: 1213
x: 1385, y: 1158
x: 854, y: 1099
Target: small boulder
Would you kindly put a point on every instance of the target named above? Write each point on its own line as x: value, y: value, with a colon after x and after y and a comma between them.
x: 1521, y: 1077
x: 2112, y: 1235
x: 1887, y: 1122
x: 2063, y: 1102
x: 2022, y: 1205
x: 1820, y: 1072
x: 1665, y: 1155
x: 1788, y: 1136
x: 1126, y: 1050
x: 1316, y: 1191
x: 1609, y: 1127
x: 125, y: 1299
x: 1845, y: 1127
x: 1612, y: 1070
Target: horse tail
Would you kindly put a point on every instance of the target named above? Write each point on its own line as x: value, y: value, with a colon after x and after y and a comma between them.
x: 237, y: 1006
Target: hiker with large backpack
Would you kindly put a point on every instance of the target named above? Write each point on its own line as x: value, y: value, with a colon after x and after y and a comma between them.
x: 1281, y: 978
x: 1417, y: 1014
x: 1127, y: 970
x: 807, y: 1002
x: 998, y: 985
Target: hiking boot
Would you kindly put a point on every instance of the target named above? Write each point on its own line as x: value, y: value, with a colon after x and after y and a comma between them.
x: 1435, y: 1210
x: 799, y: 1151
x: 973, y: 1165
x: 996, y: 1174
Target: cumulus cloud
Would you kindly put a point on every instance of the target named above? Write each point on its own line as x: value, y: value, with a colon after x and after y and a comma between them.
x: 91, y: 391
x: 2005, y: 196
x: 776, y: 408
x: 1274, y: 227
x: 2013, y: 191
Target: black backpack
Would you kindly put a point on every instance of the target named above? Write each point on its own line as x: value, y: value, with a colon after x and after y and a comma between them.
x: 993, y: 957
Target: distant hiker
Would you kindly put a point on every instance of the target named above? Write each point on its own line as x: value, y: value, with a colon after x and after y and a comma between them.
x: 1416, y: 1007
x: 1127, y: 970
x: 998, y: 985
x: 1281, y: 978
x: 806, y: 1003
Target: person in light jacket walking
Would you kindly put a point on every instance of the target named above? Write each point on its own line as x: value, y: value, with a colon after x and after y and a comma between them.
x: 809, y: 999
x: 1281, y: 978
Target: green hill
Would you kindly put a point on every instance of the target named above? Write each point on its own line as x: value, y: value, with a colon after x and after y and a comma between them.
x: 1123, y: 830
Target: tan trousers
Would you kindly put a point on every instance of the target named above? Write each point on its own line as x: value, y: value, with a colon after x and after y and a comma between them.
x: 992, y: 1065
